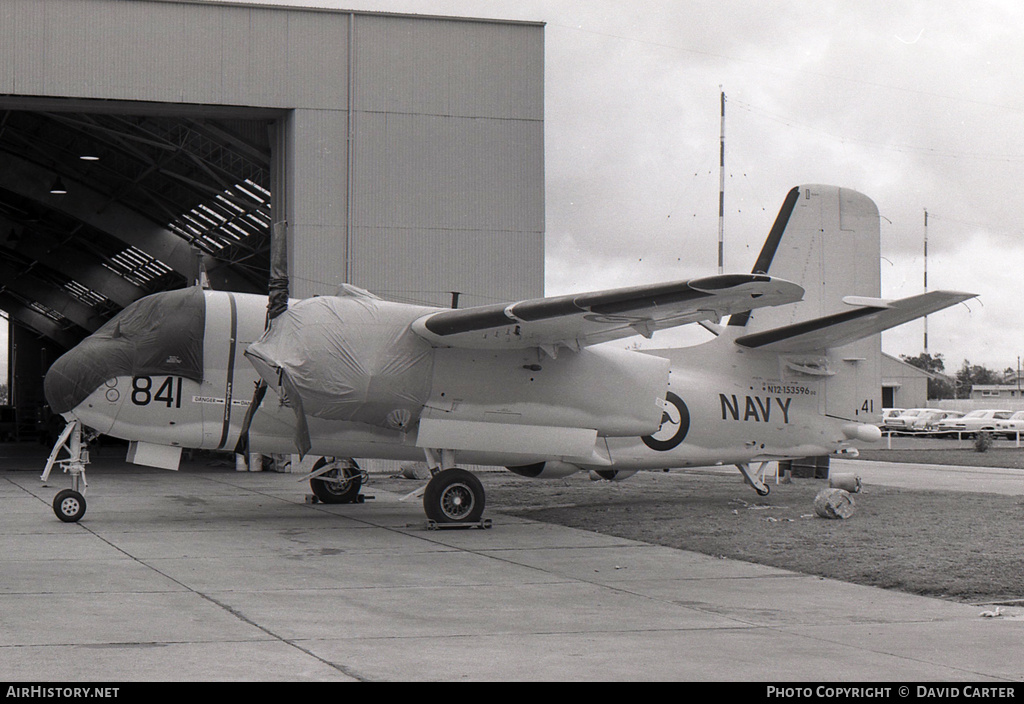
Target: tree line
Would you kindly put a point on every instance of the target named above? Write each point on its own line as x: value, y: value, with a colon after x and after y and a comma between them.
x: 959, y: 384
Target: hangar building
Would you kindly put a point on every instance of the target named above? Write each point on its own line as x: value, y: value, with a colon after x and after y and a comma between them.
x: 147, y: 143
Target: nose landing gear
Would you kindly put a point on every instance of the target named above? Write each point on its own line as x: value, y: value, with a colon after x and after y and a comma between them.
x: 69, y: 504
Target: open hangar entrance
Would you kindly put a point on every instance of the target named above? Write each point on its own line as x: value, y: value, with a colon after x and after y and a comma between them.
x: 145, y: 142
x: 101, y: 204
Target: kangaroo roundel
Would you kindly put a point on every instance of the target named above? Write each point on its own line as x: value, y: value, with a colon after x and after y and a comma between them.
x: 675, y: 423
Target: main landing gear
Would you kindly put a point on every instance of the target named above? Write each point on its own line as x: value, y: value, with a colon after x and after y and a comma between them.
x: 69, y: 504
x: 335, y: 481
x: 454, y: 497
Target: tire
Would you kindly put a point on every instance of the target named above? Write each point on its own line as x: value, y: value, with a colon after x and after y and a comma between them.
x: 332, y: 493
x: 454, y: 496
x: 69, y: 505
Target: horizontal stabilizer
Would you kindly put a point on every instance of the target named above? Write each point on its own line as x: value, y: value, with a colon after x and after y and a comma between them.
x: 840, y: 329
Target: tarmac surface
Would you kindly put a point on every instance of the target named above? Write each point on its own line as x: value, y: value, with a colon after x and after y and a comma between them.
x: 209, y: 574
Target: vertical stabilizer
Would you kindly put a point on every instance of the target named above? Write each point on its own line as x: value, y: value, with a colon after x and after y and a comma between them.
x: 827, y: 240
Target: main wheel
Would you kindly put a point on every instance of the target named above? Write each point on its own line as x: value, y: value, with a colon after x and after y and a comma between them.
x: 69, y: 505
x: 454, y: 496
x: 334, y: 492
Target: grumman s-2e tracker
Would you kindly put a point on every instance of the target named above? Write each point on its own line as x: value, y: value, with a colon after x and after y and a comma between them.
x: 794, y: 371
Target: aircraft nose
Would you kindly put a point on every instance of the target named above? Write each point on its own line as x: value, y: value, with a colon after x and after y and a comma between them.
x: 158, y: 334
x: 68, y: 381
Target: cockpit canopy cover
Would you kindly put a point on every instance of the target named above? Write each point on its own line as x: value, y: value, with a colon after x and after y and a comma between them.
x: 158, y: 334
x: 348, y: 357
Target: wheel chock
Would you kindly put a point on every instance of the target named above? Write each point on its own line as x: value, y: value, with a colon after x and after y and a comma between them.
x: 362, y: 498
x: 483, y: 524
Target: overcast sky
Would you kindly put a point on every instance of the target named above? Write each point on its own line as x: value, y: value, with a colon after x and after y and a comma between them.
x: 919, y: 105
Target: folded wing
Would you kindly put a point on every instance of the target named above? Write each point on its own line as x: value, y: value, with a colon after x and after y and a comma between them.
x: 575, y: 321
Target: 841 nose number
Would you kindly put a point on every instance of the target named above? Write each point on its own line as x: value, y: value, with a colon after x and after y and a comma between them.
x: 167, y: 393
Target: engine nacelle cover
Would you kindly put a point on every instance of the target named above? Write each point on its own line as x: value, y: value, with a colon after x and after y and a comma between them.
x: 611, y: 475
x: 554, y: 469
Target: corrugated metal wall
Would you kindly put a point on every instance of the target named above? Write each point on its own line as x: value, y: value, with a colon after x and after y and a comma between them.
x: 447, y: 183
x: 174, y: 52
x: 448, y: 191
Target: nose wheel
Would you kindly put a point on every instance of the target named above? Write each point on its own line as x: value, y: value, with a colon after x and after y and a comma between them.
x: 69, y: 505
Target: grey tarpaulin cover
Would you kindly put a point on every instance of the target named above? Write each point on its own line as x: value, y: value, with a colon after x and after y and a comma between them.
x: 158, y: 334
x: 348, y: 357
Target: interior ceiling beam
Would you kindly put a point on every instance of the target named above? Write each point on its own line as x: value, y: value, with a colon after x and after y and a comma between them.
x: 33, y: 181
x: 220, y: 134
x: 56, y: 299
x: 35, y: 321
x: 73, y: 261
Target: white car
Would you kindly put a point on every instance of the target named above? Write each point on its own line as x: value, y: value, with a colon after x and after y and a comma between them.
x: 1012, y: 425
x: 904, y: 421
x: 888, y: 414
x: 973, y: 423
x: 928, y: 422
x: 919, y: 420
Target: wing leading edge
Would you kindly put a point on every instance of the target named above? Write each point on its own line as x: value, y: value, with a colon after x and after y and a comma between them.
x: 579, y: 320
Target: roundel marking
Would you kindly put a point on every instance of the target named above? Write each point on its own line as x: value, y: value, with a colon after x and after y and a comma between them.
x: 675, y: 423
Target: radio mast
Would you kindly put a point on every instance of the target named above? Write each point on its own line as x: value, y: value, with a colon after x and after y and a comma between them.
x: 721, y: 193
x: 926, y: 276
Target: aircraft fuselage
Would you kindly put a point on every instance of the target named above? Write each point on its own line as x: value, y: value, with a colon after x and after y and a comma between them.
x: 719, y: 407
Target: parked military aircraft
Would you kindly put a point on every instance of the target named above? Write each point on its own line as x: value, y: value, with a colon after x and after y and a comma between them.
x: 794, y: 371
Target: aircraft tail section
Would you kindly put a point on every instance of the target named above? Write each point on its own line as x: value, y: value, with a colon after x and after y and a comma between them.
x: 827, y: 240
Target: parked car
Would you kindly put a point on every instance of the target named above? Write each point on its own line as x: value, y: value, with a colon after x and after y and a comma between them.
x: 904, y: 421
x: 1012, y: 425
x: 888, y: 413
x: 975, y: 422
x: 946, y: 415
x: 929, y: 421
x: 919, y: 420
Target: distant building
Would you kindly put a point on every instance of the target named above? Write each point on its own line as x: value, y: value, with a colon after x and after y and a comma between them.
x: 996, y: 391
x: 903, y: 384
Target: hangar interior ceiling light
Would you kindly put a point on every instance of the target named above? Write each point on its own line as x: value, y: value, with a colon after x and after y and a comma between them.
x: 204, y: 180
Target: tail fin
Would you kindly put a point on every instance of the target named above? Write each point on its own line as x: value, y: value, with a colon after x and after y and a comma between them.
x: 826, y: 239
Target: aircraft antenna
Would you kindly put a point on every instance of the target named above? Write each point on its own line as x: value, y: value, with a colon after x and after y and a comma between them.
x: 721, y: 192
